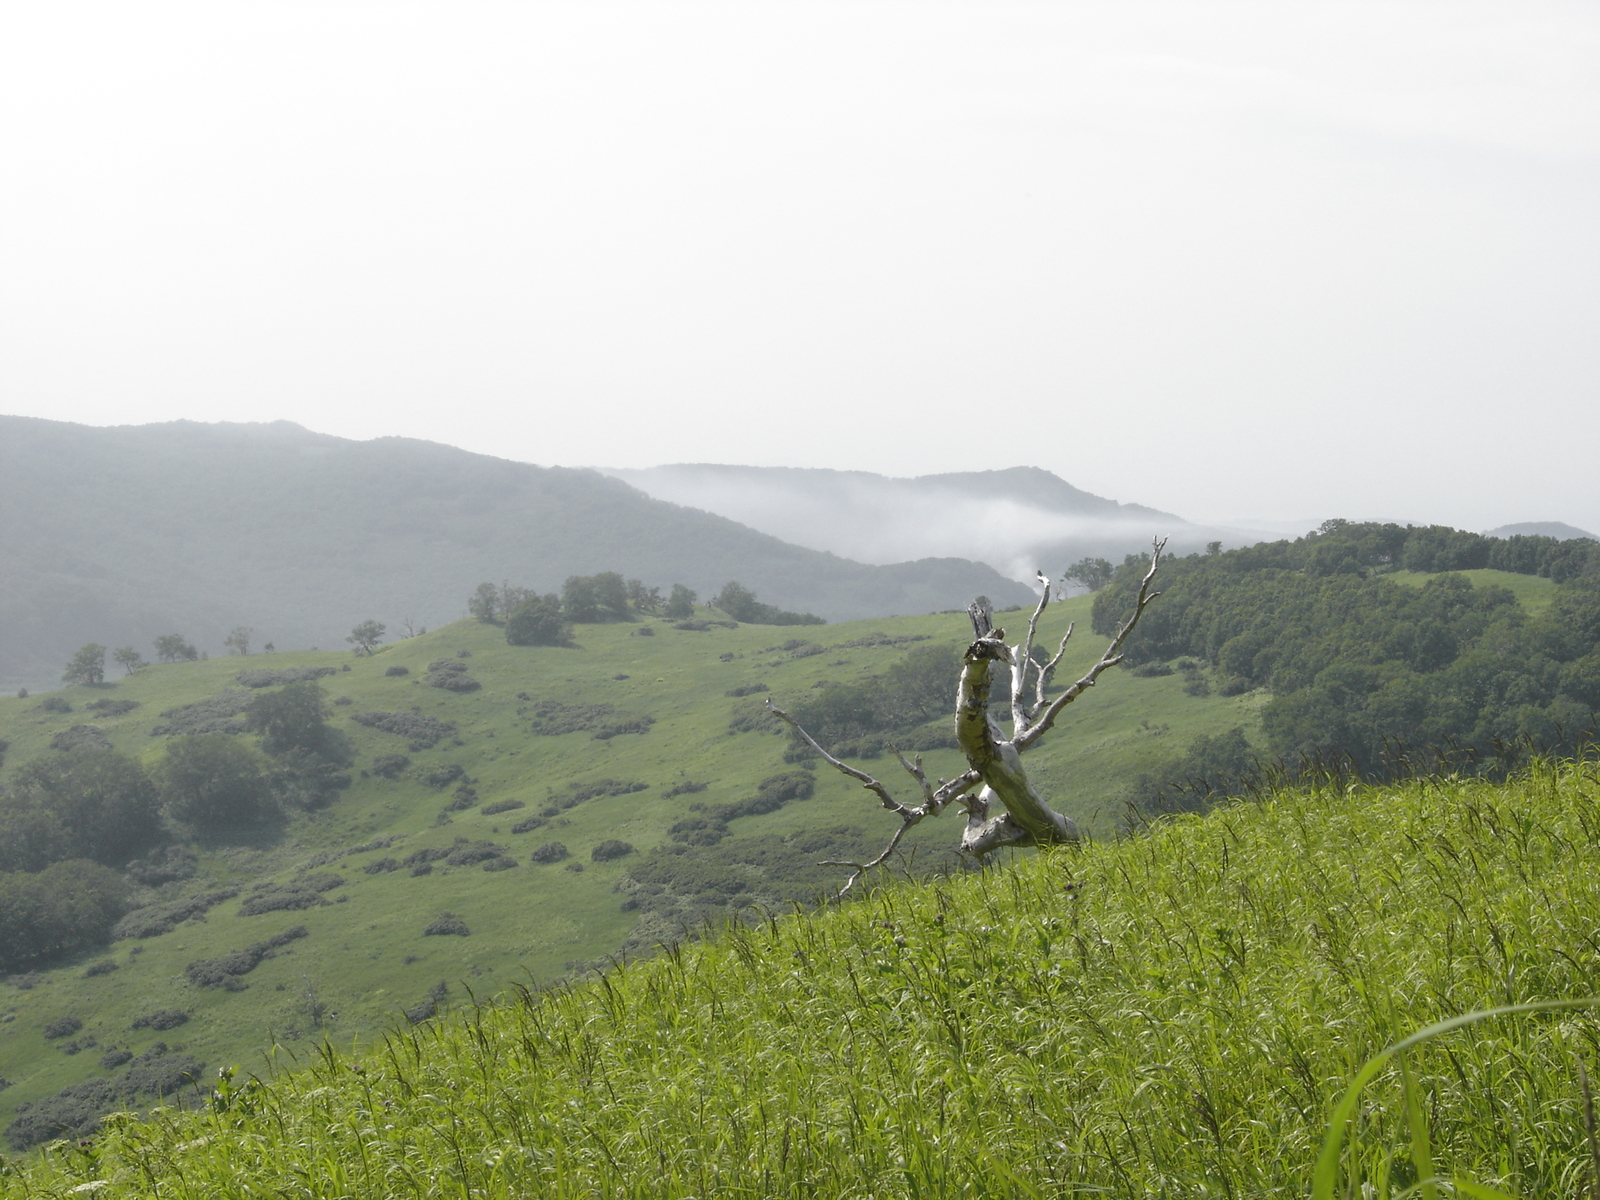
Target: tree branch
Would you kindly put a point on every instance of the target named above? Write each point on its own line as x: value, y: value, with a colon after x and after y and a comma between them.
x: 1110, y: 658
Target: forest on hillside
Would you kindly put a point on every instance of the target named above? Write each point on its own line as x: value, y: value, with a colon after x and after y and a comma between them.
x: 1369, y: 672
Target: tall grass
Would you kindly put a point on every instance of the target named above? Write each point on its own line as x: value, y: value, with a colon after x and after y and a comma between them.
x: 1179, y: 1014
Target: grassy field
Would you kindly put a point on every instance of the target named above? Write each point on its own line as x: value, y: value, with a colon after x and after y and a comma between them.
x: 1533, y: 592
x: 365, y: 959
x: 1175, y: 1014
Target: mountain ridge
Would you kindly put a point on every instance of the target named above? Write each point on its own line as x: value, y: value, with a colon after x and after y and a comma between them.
x: 122, y: 534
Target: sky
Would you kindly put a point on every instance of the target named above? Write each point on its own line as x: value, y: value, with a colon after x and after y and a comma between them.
x: 1235, y: 261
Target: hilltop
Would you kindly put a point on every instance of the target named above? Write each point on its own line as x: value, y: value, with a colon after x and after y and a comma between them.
x: 126, y: 534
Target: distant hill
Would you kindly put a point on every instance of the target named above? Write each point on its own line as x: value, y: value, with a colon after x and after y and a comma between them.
x: 1555, y: 529
x: 124, y: 534
x: 1016, y: 520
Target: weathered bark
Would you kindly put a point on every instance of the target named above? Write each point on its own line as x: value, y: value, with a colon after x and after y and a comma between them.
x: 993, y: 759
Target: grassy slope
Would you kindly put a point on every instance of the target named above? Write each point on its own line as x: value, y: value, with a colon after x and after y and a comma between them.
x: 1169, y: 1015
x: 528, y: 924
x: 1532, y: 592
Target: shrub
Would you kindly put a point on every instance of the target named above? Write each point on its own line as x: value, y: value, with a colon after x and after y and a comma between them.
x: 428, y: 854
x: 222, y: 713
x: 390, y: 766
x: 397, y: 670
x: 447, y: 925
x: 451, y: 675
x: 65, y: 908
x: 160, y: 1020
x: 112, y: 708
x: 749, y: 689
x: 73, y: 1112
x: 528, y: 825
x: 91, y: 736
x: 550, y: 852
x: 500, y: 864
x: 104, y: 967
x: 466, y: 854
x: 165, y: 865
x: 422, y: 869
x: 501, y: 806
x: 112, y: 1059
x: 53, y: 704
x: 430, y: 1004
x: 224, y: 972
x: 422, y: 732
x: 267, y: 678
x: 156, y: 919
x: 686, y: 788
x: 382, y: 866
x: 442, y: 777
x: 292, y: 898
x: 62, y: 1027
x: 609, y: 849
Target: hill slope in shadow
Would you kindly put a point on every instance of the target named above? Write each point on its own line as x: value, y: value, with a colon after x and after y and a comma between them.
x: 120, y: 535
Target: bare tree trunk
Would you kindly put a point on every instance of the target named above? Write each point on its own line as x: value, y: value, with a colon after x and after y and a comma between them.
x: 993, y: 759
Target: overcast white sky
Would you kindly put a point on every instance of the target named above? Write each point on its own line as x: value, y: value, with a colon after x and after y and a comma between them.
x: 1230, y: 260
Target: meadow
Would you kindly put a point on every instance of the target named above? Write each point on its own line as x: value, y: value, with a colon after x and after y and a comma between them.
x: 1178, y: 1014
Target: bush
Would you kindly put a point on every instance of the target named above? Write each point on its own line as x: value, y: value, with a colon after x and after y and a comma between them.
x: 216, y: 784
x: 550, y: 852
x: 292, y: 898
x: 749, y: 689
x: 390, y: 766
x: 428, y: 854
x: 501, y: 806
x: 222, y: 713
x: 104, y: 967
x: 430, y: 1004
x: 266, y: 678
x: 442, y: 777
x: 466, y: 854
x: 538, y: 622
x: 156, y: 919
x: 382, y: 866
x: 447, y: 925
x: 530, y: 824
x: 500, y: 864
x: 451, y: 675
x: 422, y: 732
x: 397, y: 670
x: 160, y: 1020
x: 62, y: 1027
x: 112, y: 708
x: 53, y: 704
x: 224, y: 972
x: 610, y: 849
x: 112, y: 1059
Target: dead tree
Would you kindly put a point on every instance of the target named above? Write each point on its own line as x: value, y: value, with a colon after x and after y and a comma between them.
x: 994, y: 773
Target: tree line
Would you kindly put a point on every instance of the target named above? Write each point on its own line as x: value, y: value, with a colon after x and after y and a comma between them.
x: 531, y: 619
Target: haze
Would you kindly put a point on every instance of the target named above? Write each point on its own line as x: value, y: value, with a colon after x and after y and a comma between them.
x: 1227, y: 260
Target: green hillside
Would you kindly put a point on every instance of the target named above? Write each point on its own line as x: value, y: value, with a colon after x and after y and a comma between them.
x: 1173, y: 1014
x: 365, y: 959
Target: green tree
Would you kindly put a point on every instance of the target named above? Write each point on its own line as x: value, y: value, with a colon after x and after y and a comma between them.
x: 129, y: 659
x: 62, y: 909
x: 643, y: 599
x: 1092, y: 573
x: 173, y: 648
x: 294, y: 717
x: 365, y: 636
x: 538, y: 622
x: 485, y: 602
x: 215, y: 784
x: 239, y: 640
x: 738, y: 601
x: 88, y: 665
x: 580, y: 600
x: 611, y: 594
x: 680, y: 604
x: 86, y: 803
